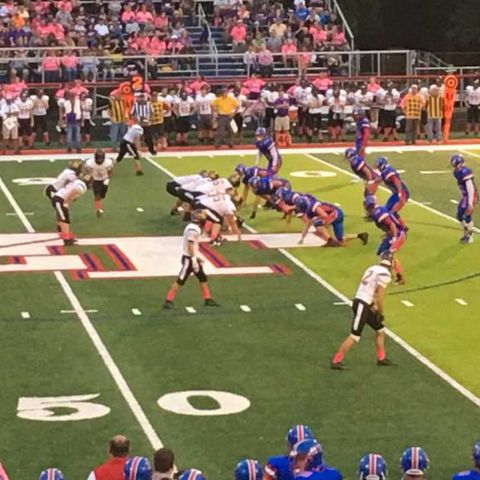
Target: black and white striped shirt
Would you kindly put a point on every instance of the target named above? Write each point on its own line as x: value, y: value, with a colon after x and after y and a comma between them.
x: 142, y: 111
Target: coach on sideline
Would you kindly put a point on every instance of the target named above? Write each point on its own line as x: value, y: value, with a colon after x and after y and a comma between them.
x: 112, y: 469
x: 225, y: 107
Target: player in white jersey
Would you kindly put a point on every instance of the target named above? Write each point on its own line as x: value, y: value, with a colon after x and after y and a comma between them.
x: 368, y: 310
x: 220, y: 209
x: 40, y: 107
x: 203, y: 107
x: 61, y: 203
x: 191, y: 262
x: 100, y: 168
x: 86, y: 106
x: 472, y: 100
x: 66, y: 176
x: 131, y: 144
x: 25, y: 119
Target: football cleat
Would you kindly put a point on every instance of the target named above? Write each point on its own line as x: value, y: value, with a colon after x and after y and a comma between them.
x: 363, y: 237
x: 466, y: 239
x: 372, y: 467
x: 210, y: 302
x: 248, y: 470
x: 69, y: 242
x: 297, y: 433
x: 414, y: 461
x: 168, y: 305
x: 100, y: 212
x: 338, y: 366
x: 137, y: 468
x: 51, y: 474
x: 386, y: 362
x: 253, y: 216
x: 139, y: 173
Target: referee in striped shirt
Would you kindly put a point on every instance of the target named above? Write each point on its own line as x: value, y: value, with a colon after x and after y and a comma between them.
x: 142, y: 110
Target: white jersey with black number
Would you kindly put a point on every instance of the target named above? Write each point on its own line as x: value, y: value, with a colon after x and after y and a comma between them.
x: 203, y: 103
x: 374, y: 276
x: 77, y: 187
x: 25, y: 108
x: 215, y: 187
x: 66, y: 177
x: 133, y: 133
x: 184, y: 180
x: 191, y: 233
x: 221, y: 204
x: 195, y: 184
x: 472, y: 95
x: 99, y: 172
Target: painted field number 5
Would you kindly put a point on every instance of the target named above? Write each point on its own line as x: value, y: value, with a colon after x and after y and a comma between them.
x: 46, y: 409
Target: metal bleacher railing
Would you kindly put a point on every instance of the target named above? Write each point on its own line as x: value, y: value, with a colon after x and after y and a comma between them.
x: 334, y: 7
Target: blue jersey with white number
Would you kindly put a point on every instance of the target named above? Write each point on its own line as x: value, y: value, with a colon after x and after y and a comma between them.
x: 324, y: 473
x: 389, y: 174
x: 268, y: 149
x: 264, y: 186
x: 463, y: 175
x: 381, y: 216
x: 467, y: 475
x: 249, y: 173
x: 360, y: 167
x: 279, y: 468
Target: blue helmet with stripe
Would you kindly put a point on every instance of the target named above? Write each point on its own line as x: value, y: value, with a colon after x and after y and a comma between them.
x: 280, y: 194
x: 369, y: 202
x: 297, y: 433
x: 192, y: 474
x: 457, y: 160
x: 372, y: 467
x: 311, y: 451
x: 248, y: 469
x: 381, y: 163
x: 350, y: 153
x: 476, y: 454
x: 261, y: 132
x: 137, y: 468
x: 51, y: 474
x: 240, y: 168
x: 301, y: 202
x: 254, y: 182
x: 414, y: 461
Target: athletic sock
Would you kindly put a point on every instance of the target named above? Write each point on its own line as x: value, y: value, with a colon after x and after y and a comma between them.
x: 205, y: 291
x: 338, y: 357
x: 381, y: 354
x: 98, y: 205
x: 171, y: 295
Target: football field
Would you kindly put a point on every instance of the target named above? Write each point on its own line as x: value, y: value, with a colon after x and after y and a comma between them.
x: 87, y: 351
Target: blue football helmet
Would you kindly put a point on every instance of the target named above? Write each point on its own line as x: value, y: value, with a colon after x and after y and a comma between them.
x: 192, y: 474
x: 301, y: 203
x: 372, y: 467
x: 280, y: 194
x: 414, y: 461
x: 254, y: 182
x: 297, y: 433
x: 51, y: 474
x: 369, y: 202
x: 381, y: 163
x: 457, y: 161
x: 240, y: 168
x: 350, y: 153
x: 260, y: 132
x: 137, y: 468
x: 312, y: 450
x: 248, y: 469
x: 476, y: 454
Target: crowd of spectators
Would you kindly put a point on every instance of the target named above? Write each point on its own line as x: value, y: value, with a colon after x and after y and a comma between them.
x: 303, y: 458
x: 298, y: 36
x: 77, y: 34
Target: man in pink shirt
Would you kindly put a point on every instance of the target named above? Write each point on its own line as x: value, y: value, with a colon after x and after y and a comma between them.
x: 319, y: 34
x: 323, y: 82
x: 127, y: 14
x: 239, y: 35
x: 157, y: 45
x: 373, y: 86
x: 70, y: 63
x: 338, y: 38
x: 289, y: 49
x: 254, y: 86
x: 265, y: 61
x: 51, y: 68
x: 78, y: 89
x: 143, y: 16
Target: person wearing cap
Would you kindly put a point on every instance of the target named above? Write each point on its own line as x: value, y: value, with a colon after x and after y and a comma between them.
x: 112, y: 469
x: 225, y: 107
x: 412, y: 105
x: 368, y: 310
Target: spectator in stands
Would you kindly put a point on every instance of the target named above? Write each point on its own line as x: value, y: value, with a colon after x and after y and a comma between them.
x: 254, y: 85
x: 434, y: 108
x: 301, y: 12
x: 73, y: 120
x: 163, y: 464
x: 472, y: 100
x: 319, y: 36
x: 69, y: 64
x: 112, y: 469
x: 323, y: 82
x: 51, y: 64
x: 101, y: 29
x: 373, y: 86
x: 339, y: 42
x: 238, y: 33
x: 265, y: 62
x: 412, y: 104
x: 278, y: 28
x: 225, y: 108
x: 89, y: 64
x: 250, y: 60
x: 289, y: 50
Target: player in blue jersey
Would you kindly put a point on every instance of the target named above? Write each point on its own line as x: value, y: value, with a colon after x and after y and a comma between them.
x: 266, y: 147
x: 474, y: 473
x: 414, y: 462
x: 280, y: 466
x: 362, y: 132
x: 248, y: 469
x: 284, y: 199
x: 265, y: 188
x: 395, y: 233
x: 246, y: 174
x: 307, y: 457
x: 372, y: 467
x: 363, y: 170
x: 394, y: 183
x: 323, y: 215
x: 468, y: 190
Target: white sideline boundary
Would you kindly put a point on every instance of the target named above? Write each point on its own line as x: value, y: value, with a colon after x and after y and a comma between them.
x: 397, y: 339
x: 112, y: 367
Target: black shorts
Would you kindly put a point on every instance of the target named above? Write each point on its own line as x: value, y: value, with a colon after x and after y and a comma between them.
x: 205, y: 122
x: 61, y: 211
x: 187, y: 270
x: 314, y: 121
x: 127, y: 147
x: 157, y: 130
x: 40, y: 123
x: 172, y: 188
x: 50, y: 192
x: 85, y: 128
x: 335, y: 120
x: 212, y: 215
x: 473, y: 114
x: 24, y: 127
x: 182, y: 124
x: 186, y: 196
x: 364, y: 315
x: 168, y: 124
x: 388, y: 118
x: 238, y: 117
x: 99, y: 189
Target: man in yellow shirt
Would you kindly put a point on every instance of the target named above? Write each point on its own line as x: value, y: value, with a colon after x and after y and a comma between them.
x: 412, y: 105
x: 157, y: 122
x: 225, y: 107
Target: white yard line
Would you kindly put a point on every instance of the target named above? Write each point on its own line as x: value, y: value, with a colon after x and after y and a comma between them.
x: 136, y: 312
x: 190, y: 310
x: 461, y: 301
x: 94, y: 337
x: 407, y: 303
x: 300, y: 307
x: 421, y: 358
x: 466, y: 152
x: 245, y: 308
x: 25, y: 315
